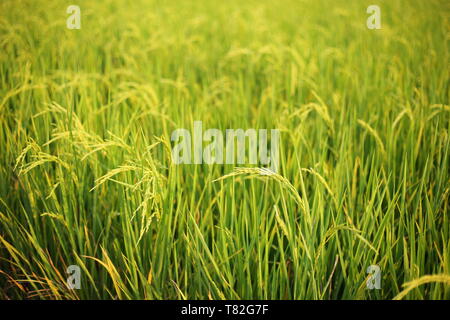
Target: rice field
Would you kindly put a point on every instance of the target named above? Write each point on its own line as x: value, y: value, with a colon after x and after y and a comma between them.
x: 87, y: 176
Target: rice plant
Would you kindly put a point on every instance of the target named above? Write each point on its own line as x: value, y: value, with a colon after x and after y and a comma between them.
x: 88, y: 179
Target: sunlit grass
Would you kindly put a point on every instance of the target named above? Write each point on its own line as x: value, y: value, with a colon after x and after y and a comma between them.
x: 86, y: 172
